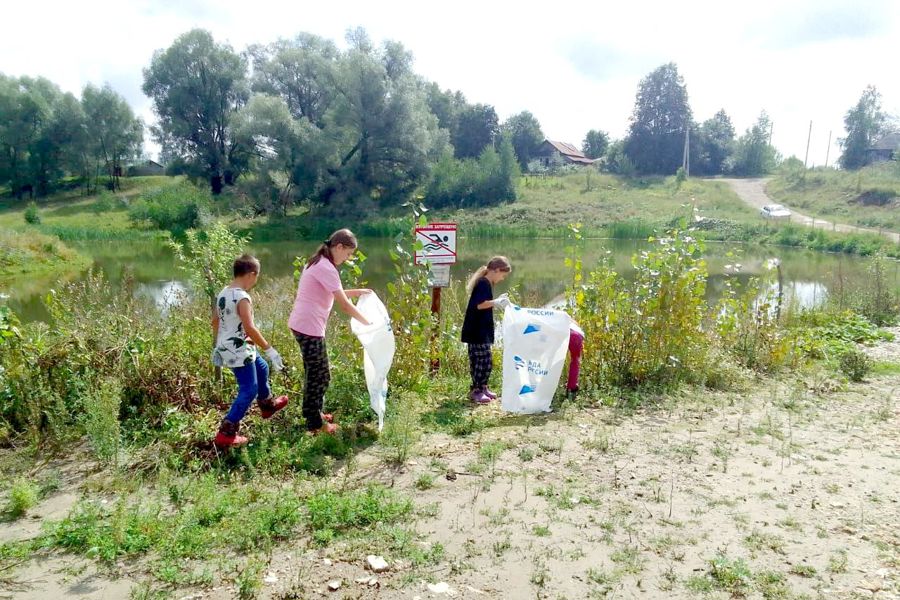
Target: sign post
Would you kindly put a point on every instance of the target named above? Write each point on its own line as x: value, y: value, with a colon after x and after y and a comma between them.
x: 436, y: 247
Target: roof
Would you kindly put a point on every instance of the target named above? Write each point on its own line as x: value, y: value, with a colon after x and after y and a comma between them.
x: 568, y: 149
x: 890, y: 141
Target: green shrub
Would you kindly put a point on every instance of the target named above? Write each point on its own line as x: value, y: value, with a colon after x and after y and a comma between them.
x: 175, y: 208
x: 855, y: 364
x: 101, y: 419
x: 32, y: 214
x: 647, y: 330
x: 23, y: 495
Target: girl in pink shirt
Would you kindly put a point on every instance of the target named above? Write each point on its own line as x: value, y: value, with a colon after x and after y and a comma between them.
x: 320, y: 286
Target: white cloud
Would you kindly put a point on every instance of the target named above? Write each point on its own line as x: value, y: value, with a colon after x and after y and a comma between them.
x: 575, y: 65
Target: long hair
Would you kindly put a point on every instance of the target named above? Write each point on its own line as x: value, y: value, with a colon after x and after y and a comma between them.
x: 344, y: 237
x: 498, y: 263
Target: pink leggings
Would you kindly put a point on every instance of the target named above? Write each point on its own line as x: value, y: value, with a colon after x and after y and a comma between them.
x: 576, y: 345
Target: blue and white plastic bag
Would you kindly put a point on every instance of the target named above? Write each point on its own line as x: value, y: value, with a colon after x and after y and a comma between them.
x: 378, y: 345
x: 535, y: 342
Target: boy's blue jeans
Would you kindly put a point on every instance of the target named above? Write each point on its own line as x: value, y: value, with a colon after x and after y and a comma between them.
x: 253, y: 383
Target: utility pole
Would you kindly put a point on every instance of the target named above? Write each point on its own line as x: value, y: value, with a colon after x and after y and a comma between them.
x: 686, y: 157
x: 771, y: 130
x: 828, y: 150
x: 808, y: 138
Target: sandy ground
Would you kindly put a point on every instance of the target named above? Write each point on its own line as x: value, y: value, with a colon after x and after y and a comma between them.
x: 800, y: 479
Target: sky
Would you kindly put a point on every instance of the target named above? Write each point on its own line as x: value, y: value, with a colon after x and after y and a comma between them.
x: 575, y: 65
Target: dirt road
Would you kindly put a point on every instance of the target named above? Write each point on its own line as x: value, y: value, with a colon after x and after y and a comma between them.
x: 753, y: 192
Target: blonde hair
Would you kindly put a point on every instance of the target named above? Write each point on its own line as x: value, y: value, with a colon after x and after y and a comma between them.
x: 344, y: 237
x: 498, y: 263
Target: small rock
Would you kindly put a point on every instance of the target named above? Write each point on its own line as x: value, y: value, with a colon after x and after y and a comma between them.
x: 334, y: 585
x: 270, y: 578
x: 377, y: 563
x: 439, y: 588
x: 373, y: 582
x: 326, y: 562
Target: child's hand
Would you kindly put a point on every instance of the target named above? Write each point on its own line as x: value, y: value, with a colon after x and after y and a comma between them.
x: 275, y: 359
x: 502, y: 301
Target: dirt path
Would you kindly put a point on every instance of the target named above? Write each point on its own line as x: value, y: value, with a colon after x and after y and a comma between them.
x: 753, y: 192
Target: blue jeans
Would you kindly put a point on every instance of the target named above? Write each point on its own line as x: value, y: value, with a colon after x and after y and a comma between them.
x: 253, y: 383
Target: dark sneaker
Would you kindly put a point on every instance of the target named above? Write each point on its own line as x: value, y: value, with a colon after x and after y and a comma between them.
x: 271, y: 406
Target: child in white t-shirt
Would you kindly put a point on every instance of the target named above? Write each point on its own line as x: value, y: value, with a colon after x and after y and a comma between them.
x: 237, y: 338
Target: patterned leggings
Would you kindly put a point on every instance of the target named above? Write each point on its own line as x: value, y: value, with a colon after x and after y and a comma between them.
x: 480, y: 364
x: 318, y: 376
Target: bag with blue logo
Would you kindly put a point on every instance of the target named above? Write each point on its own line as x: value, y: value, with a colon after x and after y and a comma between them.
x: 378, y: 345
x: 535, y: 342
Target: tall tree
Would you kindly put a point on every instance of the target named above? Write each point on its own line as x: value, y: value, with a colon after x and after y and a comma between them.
x: 595, y: 143
x: 660, y: 119
x: 525, y: 134
x: 300, y: 71
x: 385, y: 132
x: 197, y: 86
x: 712, y: 144
x: 753, y: 155
x: 291, y: 155
x: 477, y: 127
x: 116, y: 135
x: 864, y: 123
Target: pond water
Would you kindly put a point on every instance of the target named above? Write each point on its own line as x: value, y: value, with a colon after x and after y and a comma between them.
x: 539, y: 274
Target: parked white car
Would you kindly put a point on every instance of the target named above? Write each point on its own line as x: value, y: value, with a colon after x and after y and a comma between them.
x: 775, y: 211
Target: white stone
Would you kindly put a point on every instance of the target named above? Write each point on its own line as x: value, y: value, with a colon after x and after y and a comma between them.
x: 377, y: 563
x: 334, y: 585
x: 270, y: 578
x: 439, y: 588
x: 326, y: 562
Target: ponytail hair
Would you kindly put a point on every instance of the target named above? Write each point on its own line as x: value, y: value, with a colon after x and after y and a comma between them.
x: 498, y: 263
x: 344, y: 237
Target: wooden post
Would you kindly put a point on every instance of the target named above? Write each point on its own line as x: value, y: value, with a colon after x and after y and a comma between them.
x: 808, y: 138
x: 436, y: 327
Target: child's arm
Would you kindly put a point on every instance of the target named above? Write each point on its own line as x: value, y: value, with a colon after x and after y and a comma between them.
x: 357, y: 293
x: 340, y: 296
x: 245, y: 312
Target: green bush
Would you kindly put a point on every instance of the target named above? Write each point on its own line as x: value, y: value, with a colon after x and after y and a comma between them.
x: 23, y: 495
x: 175, y: 208
x: 101, y: 419
x: 32, y: 214
x: 647, y: 330
x: 855, y: 364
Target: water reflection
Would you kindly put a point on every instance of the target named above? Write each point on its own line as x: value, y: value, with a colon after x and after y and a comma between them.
x: 163, y: 294
x: 538, y: 273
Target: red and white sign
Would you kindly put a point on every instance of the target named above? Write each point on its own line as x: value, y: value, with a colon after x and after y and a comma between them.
x: 438, y: 244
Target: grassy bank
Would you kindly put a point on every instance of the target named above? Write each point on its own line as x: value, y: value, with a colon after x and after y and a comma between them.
x: 868, y: 197
x: 34, y: 255
x: 71, y: 216
x: 605, y: 205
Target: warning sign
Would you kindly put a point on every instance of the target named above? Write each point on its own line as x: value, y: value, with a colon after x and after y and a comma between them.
x: 436, y: 244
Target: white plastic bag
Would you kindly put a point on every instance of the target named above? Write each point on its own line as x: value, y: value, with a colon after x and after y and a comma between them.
x: 535, y: 342
x: 378, y: 345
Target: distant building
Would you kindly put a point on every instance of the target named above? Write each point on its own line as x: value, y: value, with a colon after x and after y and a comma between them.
x: 884, y: 149
x: 552, y: 153
x: 146, y: 167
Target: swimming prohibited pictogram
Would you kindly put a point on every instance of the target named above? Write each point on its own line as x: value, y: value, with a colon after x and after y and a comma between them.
x: 436, y: 244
